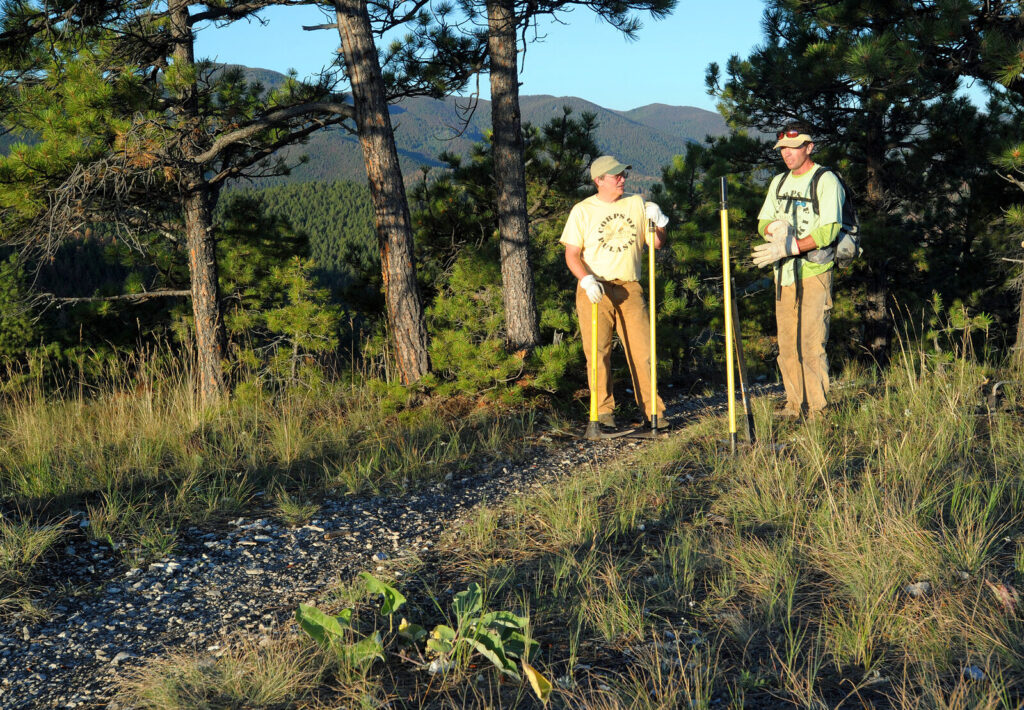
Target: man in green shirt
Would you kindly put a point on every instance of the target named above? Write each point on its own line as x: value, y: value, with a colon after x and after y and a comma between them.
x: 800, y: 228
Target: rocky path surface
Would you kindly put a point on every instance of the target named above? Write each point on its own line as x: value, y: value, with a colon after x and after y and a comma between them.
x: 105, y: 619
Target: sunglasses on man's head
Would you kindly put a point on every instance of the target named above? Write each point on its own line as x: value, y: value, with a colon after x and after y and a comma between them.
x: 791, y: 133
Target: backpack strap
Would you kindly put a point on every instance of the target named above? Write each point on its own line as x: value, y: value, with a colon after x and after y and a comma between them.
x: 813, y: 197
x: 821, y: 170
x: 778, y: 188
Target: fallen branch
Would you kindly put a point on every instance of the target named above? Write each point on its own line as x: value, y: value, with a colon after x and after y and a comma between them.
x: 130, y: 297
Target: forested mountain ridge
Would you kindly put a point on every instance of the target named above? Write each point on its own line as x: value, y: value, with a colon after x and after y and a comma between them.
x: 647, y: 137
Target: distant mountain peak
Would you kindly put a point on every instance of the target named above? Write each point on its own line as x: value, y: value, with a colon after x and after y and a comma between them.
x: 648, y: 136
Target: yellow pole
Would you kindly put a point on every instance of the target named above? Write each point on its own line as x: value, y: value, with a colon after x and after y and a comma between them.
x: 593, y: 429
x: 654, y: 352
x: 727, y: 290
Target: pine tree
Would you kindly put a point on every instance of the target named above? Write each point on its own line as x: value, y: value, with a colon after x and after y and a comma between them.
x: 434, y: 63
x: 158, y: 136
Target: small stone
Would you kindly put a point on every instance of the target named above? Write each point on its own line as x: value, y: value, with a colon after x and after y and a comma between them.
x: 974, y: 673
x: 438, y: 666
x: 918, y: 589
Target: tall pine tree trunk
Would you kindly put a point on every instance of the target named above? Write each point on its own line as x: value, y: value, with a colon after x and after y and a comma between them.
x: 387, y: 191
x: 197, y: 214
x: 522, y: 330
x: 202, y: 264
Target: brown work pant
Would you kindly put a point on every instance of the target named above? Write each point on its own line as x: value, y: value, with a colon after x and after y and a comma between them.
x: 802, y: 314
x: 622, y: 310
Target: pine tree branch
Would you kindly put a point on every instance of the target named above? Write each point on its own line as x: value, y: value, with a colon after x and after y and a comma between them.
x: 241, y: 10
x: 130, y: 297
x: 1013, y: 180
x: 293, y: 137
x: 274, y: 118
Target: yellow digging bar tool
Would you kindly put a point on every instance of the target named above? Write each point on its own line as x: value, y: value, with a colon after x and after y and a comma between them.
x: 653, y: 231
x: 727, y: 290
x: 741, y: 370
x: 593, y: 428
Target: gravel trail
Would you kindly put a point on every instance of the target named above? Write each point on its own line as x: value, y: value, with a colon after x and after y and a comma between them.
x: 251, y: 574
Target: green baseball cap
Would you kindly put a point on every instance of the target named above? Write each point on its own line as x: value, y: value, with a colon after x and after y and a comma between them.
x: 606, y: 165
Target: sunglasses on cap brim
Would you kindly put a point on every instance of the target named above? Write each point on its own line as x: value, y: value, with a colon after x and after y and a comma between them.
x: 791, y: 133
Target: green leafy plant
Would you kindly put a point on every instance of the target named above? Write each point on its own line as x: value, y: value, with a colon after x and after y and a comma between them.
x: 498, y: 636
x: 336, y: 635
x: 501, y: 637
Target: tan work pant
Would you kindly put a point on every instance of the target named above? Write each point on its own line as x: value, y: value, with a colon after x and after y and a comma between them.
x: 802, y: 314
x: 623, y: 310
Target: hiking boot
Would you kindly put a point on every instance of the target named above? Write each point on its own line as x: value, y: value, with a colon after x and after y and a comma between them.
x: 663, y: 423
x: 787, y: 413
x: 816, y: 414
x: 607, y: 419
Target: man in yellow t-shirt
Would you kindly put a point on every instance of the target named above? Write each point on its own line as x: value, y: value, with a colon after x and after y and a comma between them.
x: 604, y: 240
x: 800, y: 229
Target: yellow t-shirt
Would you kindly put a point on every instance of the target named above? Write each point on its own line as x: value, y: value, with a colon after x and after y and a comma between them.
x: 611, y: 236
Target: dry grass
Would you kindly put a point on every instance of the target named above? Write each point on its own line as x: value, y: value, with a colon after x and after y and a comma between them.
x: 281, y: 672
x: 868, y: 560
x: 142, y: 458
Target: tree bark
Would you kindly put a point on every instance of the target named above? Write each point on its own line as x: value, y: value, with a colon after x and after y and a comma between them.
x: 521, y: 328
x: 197, y: 212
x: 202, y: 264
x: 387, y: 191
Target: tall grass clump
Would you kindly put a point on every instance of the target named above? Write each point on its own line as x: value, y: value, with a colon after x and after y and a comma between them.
x: 279, y: 672
x: 24, y: 547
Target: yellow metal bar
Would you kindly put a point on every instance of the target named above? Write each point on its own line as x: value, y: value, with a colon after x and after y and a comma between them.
x: 654, y: 352
x: 593, y: 362
x: 727, y: 290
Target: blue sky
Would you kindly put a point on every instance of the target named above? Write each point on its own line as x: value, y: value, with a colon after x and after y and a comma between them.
x: 582, y: 57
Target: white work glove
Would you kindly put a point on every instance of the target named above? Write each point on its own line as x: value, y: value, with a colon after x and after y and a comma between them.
x: 654, y: 214
x: 593, y: 287
x: 779, y: 229
x: 770, y: 252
